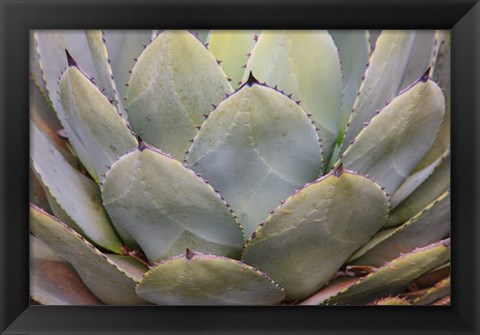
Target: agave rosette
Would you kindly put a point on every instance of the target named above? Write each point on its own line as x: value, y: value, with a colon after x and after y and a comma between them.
x: 257, y: 168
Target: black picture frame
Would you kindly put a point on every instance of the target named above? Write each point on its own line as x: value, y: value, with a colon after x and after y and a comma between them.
x: 18, y: 16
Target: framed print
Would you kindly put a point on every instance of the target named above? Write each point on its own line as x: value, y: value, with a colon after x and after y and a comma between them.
x: 294, y: 165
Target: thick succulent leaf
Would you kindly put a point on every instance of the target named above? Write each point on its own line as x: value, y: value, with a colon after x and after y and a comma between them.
x: 306, y: 65
x: 430, y: 225
x: 231, y: 48
x: 132, y: 266
x: 431, y: 188
x: 110, y: 283
x: 333, y: 288
x: 256, y: 148
x: 308, y: 238
x: 397, y: 138
x: 439, y: 291
x: 100, y: 282
x: 104, y: 79
x: 77, y: 195
x: 166, y: 208
x: 391, y: 301
x: 197, y: 279
x: 416, y: 179
x: 51, y: 46
x: 395, y: 276
x: 175, y: 81
x: 36, y: 73
x: 382, y: 81
x: 124, y: 47
x: 441, y: 75
x: 421, y: 57
x: 44, y: 118
x: 95, y: 121
x: 53, y: 281
x: 354, y: 52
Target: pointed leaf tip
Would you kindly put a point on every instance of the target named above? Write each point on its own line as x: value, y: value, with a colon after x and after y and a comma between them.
x: 189, y: 254
x: 70, y: 60
x: 251, y: 80
x: 142, y: 145
x: 426, y: 75
x: 338, y: 171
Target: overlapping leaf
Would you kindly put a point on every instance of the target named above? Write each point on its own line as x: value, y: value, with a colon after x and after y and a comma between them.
x: 383, y: 78
x: 422, y: 188
x: 306, y: 65
x: 76, y: 194
x: 53, y: 281
x: 430, y: 225
x: 395, y: 276
x: 197, y: 279
x: 175, y: 81
x: 95, y: 122
x: 256, y: 148
x: 110, y: 283
x: 396, y: 139
x: 308, y: 238
x: 166, y: 208
x: 231, y: 48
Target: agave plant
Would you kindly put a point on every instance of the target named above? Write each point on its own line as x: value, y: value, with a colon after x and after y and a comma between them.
x: 253, y: 168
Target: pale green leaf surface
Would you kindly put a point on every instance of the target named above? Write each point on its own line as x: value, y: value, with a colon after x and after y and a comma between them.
x: 207, y: 280
x: 395, y: 276
x: 440, y: 290
x: 376, y: 239
x: 441, y: 75
x: 110, y: 283
x: 256, y: 148
x: 77, y: 195
x: 398, y: 137
x: 45, y: 119
x: 175, y: 81
x: 166, y: 208
x: 35, y: 70
x: 51, y: 46
x: 382, y: 81
x: 133, y: 267
x: 308, y: 238
x: 306, y: 65
x: 104, y: 79
x: 421, y: 56
x: 416, y: 179
x: 60, y: 213
x: 430, y: 225
x: 231, y: 47
x: 39, y: 250
x: 124, y: 46
x: 94, y: 121
x: 432, y: 187
x: 354, y: 52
